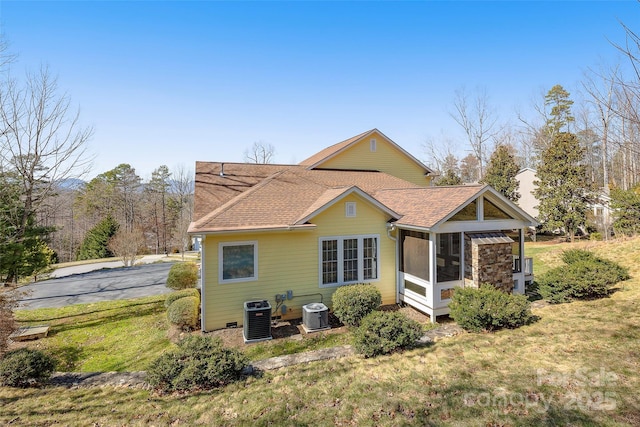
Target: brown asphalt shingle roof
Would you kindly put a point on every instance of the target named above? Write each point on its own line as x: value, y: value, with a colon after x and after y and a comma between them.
x: 426, y: 206
x: 287, y: 196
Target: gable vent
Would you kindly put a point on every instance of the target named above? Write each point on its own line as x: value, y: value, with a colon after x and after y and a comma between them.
x: 372, y: 145
x: 350, y: 209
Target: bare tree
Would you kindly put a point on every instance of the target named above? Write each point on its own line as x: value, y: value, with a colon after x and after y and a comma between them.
x: 260, y: 152
x: 182, y: 192
x: 7, y: 322
x: 41, y: 140
x: 478, y: 121
x: 440, y: 154
x: 126, y: 245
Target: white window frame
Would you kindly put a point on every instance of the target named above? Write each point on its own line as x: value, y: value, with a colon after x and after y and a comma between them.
x: 340, y: 240
x: 221, y: 246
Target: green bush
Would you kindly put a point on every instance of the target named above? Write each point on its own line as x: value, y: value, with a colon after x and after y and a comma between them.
x: 487, y: 309
x: 382, y: 332
x: 174, y: 296
x: 184, y: 312
x: 183, y: 275
x: 353, y: 302
x: 198, y: 363
x: 25, y: 367
x: 586, y: 276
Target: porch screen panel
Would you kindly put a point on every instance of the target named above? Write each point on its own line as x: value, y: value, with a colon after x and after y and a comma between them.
x: 370, y: 261
x: 350, y: 260
x: 448, y: 268
x: 329, y: 261
x: 415, y: 254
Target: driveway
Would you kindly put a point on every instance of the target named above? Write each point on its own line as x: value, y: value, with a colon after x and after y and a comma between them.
x: 96, y: 286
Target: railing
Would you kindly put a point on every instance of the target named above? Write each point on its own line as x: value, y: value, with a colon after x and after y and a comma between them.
x: 528, y: 265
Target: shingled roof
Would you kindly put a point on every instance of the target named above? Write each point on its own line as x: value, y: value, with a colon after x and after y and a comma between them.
x: 427, y: 206
x: 290, y: 195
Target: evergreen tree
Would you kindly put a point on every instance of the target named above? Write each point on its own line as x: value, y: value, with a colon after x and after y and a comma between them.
x: 449, y: 178
x: 23, y: 248
x: 96, y: 242
x: 626, y: 204
x: 562, y: 185
x: 501, y: 173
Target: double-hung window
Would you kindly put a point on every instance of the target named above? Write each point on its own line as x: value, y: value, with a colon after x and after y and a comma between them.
x: 349, y: 259
x: 238, y: 262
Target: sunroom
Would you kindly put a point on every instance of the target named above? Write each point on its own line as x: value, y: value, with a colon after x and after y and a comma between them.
x: 482, y: 241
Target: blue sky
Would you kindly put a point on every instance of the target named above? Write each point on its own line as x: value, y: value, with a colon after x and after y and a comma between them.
x: 175, y: 82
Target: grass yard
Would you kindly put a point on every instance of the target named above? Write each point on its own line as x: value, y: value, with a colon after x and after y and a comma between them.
x: 578, y: 365
x: 122, y: 335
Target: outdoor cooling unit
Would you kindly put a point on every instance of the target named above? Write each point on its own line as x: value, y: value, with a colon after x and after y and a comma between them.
x: 315, y: 317
x: 257, y: 321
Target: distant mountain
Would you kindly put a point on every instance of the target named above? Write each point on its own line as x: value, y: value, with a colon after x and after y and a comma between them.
x: 70, y: 183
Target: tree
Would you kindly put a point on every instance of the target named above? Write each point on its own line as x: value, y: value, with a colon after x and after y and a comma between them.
x: 469, y: 169
x: 626, y: 205
x: 501, y: 172
x: 158, y: 188
x: 563, y: 187
x: 96, y: 241
x: 449, y: 178
x: 478, y: 122
x: 560, y: 115
x: 126, y: 245
x: 41, y: 143
x: 260, y: 152
x: 181, y: 202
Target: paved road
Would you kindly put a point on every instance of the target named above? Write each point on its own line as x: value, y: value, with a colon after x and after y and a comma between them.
x: 100, y: 285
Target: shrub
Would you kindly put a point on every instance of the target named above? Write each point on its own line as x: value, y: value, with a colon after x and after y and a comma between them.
x: 184, y: 312
x: 382, y: 332
x: 174, y: 296
x: 488, y: 308
x: 199, y: 363
x: 25, y: 367
x: 586, y: 276
x: 183, y: 275
x: 353, y: 302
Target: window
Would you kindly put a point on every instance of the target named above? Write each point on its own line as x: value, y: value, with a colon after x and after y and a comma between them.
x: 372, y: 145
x: 350, y: 209
x: 348, y: 259
x: 238, y: 262
x: 491, y: 211
x: 468, y: 213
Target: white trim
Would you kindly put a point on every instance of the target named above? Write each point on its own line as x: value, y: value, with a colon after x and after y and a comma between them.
x: 340, y: 240
x: 222, y: 245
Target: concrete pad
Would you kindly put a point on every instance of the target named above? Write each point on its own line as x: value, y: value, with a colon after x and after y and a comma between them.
x: 26, y: 333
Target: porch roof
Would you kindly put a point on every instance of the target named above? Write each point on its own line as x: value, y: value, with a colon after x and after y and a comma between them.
x: 427, y: 206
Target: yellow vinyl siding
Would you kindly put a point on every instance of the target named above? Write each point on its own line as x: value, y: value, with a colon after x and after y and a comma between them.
x: 386, y: 159
x: 289, y: 261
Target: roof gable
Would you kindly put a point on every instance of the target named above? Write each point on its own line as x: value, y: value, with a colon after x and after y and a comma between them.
x: 327, y: 158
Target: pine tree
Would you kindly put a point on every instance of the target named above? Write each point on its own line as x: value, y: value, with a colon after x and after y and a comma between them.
x: 96, y: 242
x: 562, y: 185
x: 501, y: 173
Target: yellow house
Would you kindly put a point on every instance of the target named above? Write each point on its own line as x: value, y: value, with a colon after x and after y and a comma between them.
x: 360, y: 211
